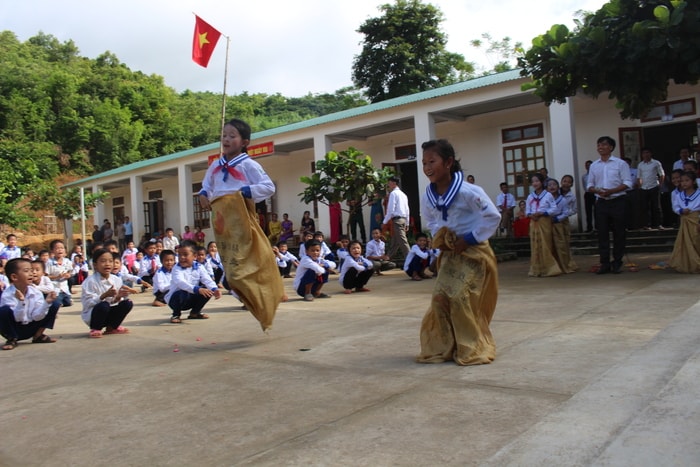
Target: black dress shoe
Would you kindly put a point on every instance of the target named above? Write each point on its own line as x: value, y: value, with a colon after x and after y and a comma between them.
x: 604, y: 269
x: 617, y: 268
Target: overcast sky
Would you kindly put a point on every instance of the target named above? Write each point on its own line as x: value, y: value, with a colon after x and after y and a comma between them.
x: 288, y: 46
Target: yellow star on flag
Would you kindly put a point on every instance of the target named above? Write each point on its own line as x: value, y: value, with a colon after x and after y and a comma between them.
x: 203, y: 39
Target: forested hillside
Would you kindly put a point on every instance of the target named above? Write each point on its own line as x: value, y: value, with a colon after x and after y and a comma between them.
x: 63, y: 115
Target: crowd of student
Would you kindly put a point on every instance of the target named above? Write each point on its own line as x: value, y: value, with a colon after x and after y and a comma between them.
x: 618, y: 198
x: 184, y: 275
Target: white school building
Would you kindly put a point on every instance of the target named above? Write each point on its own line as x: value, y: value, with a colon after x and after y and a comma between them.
x: 499, y: 132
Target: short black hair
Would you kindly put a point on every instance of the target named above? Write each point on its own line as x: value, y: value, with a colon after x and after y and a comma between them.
x: 309, y: 243
x: 607, y: 139
x: 12, y: 266
x: 165, y: 253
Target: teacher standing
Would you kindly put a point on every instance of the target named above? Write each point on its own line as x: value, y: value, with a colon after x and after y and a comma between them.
x: 397, y: 211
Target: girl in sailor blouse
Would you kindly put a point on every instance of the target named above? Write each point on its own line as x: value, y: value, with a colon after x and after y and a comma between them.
x: 461, y: 218
x: 540, y: 207
x: 686, y: 250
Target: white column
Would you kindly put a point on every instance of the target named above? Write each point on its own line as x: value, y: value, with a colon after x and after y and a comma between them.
x: 98, y: 211
x: 424, y: 129
x: 322, y: 145
x: 136, y: 203
x: 184, y: 185
x: 564, y: 156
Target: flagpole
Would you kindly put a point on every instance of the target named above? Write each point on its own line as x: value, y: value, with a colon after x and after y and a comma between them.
x: 223, y: 99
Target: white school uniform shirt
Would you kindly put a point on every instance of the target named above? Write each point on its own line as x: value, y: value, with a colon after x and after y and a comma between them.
x: 544, y: 202
x: 360, y: 264
x: 11, y: 253
x: 472, y: 215
x: 145, y: 266
x: 188, y: 279
x: 570, y: 198
x: 5, y: 281
x: 508, y: 198
x: 342, y: 253
x: 80, y: 267
x: 208, y: 268
x: 45, y: 285
x: 679, y: 163
x: 682, y: 201
x: 325, y: 251
x: 53, y: 268
x: 609, y: 175
x: 285, y: 258
x: 306, y: 263
x: 561, y: 210
x: 93, y: 287
x: 413, y: 252
x: 649, y: 174
x: 375, y: 248
x: 248, y: 177
x: 162, y: 280
x: 126, y: 276
x: 32, y: 308
x: 302, y: 251
x: 170, y: 243
x: 214, y: 261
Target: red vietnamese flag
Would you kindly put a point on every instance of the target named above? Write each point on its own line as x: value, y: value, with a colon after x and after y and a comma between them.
x: 205, y: 39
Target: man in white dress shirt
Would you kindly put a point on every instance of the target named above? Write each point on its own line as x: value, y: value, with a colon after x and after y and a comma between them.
x: 397, y: 211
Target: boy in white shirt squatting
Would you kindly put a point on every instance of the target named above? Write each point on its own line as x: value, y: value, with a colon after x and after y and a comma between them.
x: 24, y: 313
x: 185, y: 291
x: 105, y: 298
x: 312, y: 273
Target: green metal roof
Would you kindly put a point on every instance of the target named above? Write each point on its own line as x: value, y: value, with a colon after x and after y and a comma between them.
x: 469, y: 85
x: 395, y: 102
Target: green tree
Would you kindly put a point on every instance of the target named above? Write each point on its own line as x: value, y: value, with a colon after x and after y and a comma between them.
x: 24, y: 168
x: 344, y: 176
x: 630, y: 49
x: 65, y: 203
x: 403, y: 52
x: 502, y: 54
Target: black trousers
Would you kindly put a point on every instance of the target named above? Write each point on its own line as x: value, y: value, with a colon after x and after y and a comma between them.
x: 104, y: 315
x: 610, y: 217
x: 589, y: 199
x: 651, y: 207
x: 355, y: 279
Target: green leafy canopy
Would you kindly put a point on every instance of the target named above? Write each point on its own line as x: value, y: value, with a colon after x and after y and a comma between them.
x: 630, y: 49
x: 344, y: 176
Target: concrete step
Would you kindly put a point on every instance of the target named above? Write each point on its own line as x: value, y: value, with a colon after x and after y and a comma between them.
x: 638, y: 241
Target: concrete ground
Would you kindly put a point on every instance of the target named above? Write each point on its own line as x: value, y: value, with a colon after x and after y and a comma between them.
x: 591, y: 370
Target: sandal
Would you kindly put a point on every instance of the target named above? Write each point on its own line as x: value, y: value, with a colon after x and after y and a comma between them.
x: 362, y: 289
x: 43, y: 339
x: 175, y: 320
x: 10, y: 344
x: 118, y: 330
x: 199, y: 316
x: 95, y: 333
x: 347, y: 291
x: 323, y: 295
x: 308, y: 297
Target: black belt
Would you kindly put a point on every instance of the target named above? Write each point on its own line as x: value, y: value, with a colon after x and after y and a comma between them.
x: 600, y: 200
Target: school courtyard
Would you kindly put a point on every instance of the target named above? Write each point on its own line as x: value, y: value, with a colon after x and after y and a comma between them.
x: 591, y: 370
